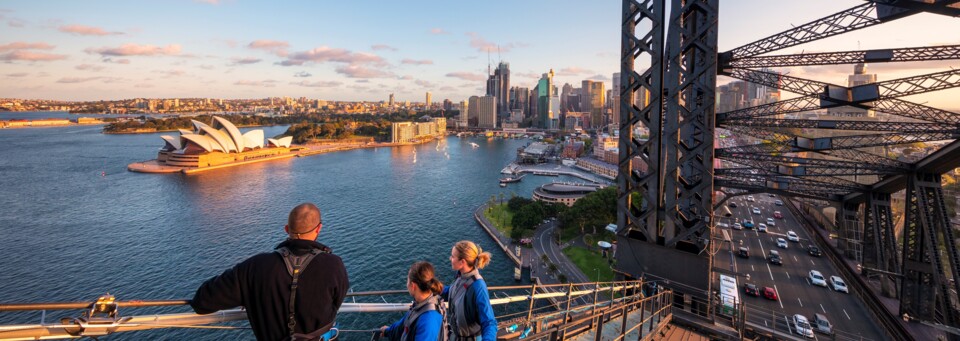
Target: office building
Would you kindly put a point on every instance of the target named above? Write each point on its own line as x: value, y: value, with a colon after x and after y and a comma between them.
x: 426, y: 103
x: 592, y: 100
x: 486, y: 111
x: 498, y: 86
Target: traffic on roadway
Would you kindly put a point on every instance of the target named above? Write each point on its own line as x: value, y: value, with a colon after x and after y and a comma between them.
x: 784, y: 282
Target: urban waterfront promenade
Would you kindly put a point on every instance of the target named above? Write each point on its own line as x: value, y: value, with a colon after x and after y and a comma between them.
x: 552, y: 169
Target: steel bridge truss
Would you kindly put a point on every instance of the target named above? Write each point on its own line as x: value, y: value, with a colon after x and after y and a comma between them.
x: 668, y: 201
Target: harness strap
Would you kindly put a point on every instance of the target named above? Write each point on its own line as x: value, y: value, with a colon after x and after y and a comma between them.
x: 295, y: 266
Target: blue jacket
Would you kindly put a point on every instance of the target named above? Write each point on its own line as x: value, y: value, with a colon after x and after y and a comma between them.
x: 425, y: 328
x: 478, y: 300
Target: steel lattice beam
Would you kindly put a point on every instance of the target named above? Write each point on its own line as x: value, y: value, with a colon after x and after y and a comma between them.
x: 728, y: 154
x: 783, y: 82
x: 879, y: 241
x: 908, y: 54
x: 902, y: 127
x: 643, y: 216
x: 944, y: 7
x: 855, y: 18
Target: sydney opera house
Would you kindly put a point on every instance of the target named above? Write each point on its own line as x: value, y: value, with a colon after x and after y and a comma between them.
x: 217, y: 144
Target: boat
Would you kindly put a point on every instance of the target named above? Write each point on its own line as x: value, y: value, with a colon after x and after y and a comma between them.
x: 510, y: 179
x: 503, y: 184
x: 474, y: 145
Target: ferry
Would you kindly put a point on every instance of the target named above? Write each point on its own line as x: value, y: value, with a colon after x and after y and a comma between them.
x: 474, y: 145
x: 510, y: 179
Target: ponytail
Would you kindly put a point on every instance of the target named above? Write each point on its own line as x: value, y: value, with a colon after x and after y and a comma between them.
x: 472, y: 254
x: 422, y: 275
x: 436, y: 286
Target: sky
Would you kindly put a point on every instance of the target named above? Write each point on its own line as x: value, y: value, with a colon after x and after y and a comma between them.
x: 365, y: 50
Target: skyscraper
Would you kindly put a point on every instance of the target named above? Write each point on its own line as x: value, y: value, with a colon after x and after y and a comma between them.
x: 426, y: 104
x: 592, y: 100
x: 615, y: 100
x: 565, y: 94
x: 390, y: 103
x: 498, y: 85
x: 520, y: 99
x: 464, y: 105
x: 548, y: 103
x: 487, y: 111
x: 473, y: 111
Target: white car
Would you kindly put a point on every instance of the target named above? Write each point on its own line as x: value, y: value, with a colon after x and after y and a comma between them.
x: 781, y: 243
x: 750, y: 198
x: 816, y: 278
x: 756, y: 210
x: 792, y: 236
x: 802, y: 326
x: 723, y: 225
x: 837, y: 284
x: 770, y: 222
x: 737, y: 226
x: 762, y: 227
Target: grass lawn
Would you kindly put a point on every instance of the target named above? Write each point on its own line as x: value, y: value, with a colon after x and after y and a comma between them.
x: 501, y: 217
x: 587, y: 261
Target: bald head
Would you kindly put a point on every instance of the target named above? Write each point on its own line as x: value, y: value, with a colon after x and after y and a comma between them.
x: 303, y: 219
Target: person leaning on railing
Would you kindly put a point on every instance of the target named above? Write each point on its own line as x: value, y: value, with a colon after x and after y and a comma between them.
x: 470, y: 314
x: 291, y: 294
x: 425, y: 318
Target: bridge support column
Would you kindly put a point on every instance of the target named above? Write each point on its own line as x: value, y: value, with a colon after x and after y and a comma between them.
x: 879, y: 243
x: 931, y: 264
x: 849, y: 231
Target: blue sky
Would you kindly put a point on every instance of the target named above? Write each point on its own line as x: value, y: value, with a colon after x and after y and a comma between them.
x: 362, y: 50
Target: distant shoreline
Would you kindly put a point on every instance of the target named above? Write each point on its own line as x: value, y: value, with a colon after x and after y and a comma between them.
x: 138, y: 131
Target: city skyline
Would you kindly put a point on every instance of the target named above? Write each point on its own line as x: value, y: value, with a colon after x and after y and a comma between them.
x: 342, y: 51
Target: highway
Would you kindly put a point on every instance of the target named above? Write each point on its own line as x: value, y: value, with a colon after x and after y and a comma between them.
x: 849, y: 317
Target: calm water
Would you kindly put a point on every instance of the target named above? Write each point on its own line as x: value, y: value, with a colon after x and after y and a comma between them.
x: 69, y: 234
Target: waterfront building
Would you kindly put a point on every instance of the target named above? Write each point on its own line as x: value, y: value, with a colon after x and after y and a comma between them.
x: 218, y: 143
x: 473, y: 112
x: 598, y: 167
x: 603, y: 143
x: 572, y: 149
x: 563, y: 193
x: 406, y: 132
x: 533, y: 153
x: 486, y: 112
x: 463, y: 113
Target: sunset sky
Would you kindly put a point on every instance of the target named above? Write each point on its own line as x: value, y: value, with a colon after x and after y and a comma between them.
x: 364, y: 50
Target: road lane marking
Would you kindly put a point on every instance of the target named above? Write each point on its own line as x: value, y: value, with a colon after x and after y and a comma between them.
x: 845, y: 313
x: 795, y: 259
x: 788, y: 324
x: 770, y: 271
x: 824, y: 310
x: 801, y: 302
x: 812, y: 263
x: 788, y: 274
x: 780, y: 298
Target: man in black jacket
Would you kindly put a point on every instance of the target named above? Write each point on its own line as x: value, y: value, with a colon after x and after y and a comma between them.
x: 262, y: 284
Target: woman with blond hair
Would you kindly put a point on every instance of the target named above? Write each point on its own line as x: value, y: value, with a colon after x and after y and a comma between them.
x: 423, y: 321
x: 470, y: 314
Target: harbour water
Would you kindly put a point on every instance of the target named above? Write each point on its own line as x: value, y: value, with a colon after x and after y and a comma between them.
x: 75, y: 224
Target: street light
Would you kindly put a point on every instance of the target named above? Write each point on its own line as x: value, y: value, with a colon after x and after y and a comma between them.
x: 598, y: 274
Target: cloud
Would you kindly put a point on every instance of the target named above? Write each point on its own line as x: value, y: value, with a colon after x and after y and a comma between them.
x: 206, y: 67
x: 19, y: 45
x: 424, y: 83
x: 18, y: 74
x: 269, y: 83
x: 171, y: 73
x: 360, y: 71
x: 136, y: 50
x: 320, y: 84
x: 116, y: 61
x: 302, y: 74
x: 467, y: 76
x: 573, y: 71
x: 276, y: 47
x: 211, y: 2
x: 86, y: 30
x: 529, y: 74
x: 327, y: 54
x: 483, y: 45
x: 363, y: 81
x: 438, y: 31
x: 31, y: 56
x: 416, y: 62
x: 70, y: 80
x: 405, y: 78
x: 466, y: 85
x: 246, y: 61
x: 16, y: 22
x: 448, y: 88
x: 90, y: 67
x: 383, y: 47
x: 599, y: 77
x: 143, y: 85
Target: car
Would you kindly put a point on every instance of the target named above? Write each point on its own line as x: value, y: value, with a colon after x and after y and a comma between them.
x: 821, y: 324
x: 769, y: 293
x: 748, y: 224
x: 778, y: 203
x: 762, y: 227
x: 750, y: 198
x: 771, y: 195
x: 813, y: 250
x: 737, y: 226
x: 792, y: 236
x: 815, y: 278
x: 781, y: 243
x: 802, y: 326
x: 723, y: 225
x: 732, y: 204
x: 837, y: 284
x: 745, y: 252
x: 751, y: 289
x: 770, y: 222
x: 777, y: 214
x: 774, y: 257
x: 756, y: 210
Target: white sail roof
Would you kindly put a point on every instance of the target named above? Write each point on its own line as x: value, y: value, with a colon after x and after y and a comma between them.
x: 281, y: 142
x: 203, y: 141
x: 171, y: 143
x: 253, y: 139
x: 232, y: 131
x: 222, y: 139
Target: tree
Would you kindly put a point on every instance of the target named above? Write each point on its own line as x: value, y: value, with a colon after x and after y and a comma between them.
x: 516, y: 203
x: 528, y: 216
x: 594, y: 210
